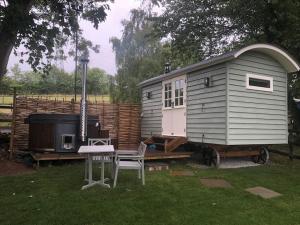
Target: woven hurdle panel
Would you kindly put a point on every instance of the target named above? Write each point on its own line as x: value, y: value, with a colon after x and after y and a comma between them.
x: 122, y: 120
x: 129, y: 126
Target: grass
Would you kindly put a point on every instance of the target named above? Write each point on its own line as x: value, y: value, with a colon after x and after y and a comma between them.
x: 6, y: 99
x: 285, y: 148
x: 57, y: 198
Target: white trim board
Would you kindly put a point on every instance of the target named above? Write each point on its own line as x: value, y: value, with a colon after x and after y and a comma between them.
x: 250, y: 87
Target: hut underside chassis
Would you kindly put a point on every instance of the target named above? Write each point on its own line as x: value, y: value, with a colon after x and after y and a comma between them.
x: 213, y: 153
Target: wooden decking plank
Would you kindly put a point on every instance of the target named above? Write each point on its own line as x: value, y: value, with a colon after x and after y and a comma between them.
x: 154, y: 154
x: 166, y: 155
x: 175, y: 143
x: 55, y: 156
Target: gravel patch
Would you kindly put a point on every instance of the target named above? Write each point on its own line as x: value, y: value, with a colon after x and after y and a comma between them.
x: 231, y: 163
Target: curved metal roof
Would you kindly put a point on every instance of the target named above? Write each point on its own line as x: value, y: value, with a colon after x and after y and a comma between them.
x: 280, y: 55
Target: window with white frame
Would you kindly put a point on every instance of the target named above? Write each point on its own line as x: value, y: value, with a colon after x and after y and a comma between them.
x: 168, y: 95
x: 258, y: 82
x: 179, y: 84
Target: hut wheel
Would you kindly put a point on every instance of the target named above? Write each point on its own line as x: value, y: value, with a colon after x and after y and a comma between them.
x: 263, y: 156
x: 205, y: 156
x: 211, y: 157
x: 215, y: 158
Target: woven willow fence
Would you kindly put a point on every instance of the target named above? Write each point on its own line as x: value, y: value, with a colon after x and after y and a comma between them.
x: 122, y: 120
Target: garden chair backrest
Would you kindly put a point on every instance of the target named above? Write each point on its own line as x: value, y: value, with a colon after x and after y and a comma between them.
x: 142, y: 149
x: 99, y: 141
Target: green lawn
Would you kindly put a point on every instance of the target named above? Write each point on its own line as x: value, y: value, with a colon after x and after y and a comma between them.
x: 285, y: 148
x: 6, y: 99
x: 57, y: 198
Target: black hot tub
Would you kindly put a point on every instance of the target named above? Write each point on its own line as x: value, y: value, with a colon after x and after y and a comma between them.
x: 57, y: 132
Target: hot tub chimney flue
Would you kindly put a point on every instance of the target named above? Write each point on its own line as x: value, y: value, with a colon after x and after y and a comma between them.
x: 83, y: 104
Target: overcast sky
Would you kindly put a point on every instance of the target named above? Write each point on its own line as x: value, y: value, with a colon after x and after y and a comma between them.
x: 111, y: 27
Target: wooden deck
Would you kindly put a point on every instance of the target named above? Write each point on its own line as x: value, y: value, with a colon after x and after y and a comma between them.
x: 150, y: 155
x: 55, y: 156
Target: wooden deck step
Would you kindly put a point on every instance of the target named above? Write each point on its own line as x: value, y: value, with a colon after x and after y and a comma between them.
x: 169, y: 143
x: 175, y: 143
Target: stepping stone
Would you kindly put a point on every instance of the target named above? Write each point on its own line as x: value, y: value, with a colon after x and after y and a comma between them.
x: 184, y: 173
x: 233, y: 163
x: 157, y: 166
x: 198, y: 166
x: 263, y: 192
x: 215, y: 183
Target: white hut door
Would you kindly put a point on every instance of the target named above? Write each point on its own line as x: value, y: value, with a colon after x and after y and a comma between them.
x: 174, y: 107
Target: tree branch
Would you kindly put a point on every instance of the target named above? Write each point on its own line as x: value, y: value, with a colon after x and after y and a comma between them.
x: 9, y: 29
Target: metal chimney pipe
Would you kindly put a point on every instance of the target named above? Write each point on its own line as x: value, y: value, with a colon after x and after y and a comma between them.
x: 83, y: 102
x: 167, y: 67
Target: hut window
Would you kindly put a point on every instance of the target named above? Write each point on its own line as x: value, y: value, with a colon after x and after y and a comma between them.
x: 257, y: 82
x: 168, y: 95
x: 179, y: 84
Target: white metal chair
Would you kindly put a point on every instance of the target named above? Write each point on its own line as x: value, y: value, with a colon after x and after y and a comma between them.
x: 107, y: 159
x: 131, y: 160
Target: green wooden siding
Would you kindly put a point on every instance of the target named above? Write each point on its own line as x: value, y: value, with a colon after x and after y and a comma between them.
x: 151, y: 108
x: 256, y: 117
x: 206, y: 106
x: 227, y: 112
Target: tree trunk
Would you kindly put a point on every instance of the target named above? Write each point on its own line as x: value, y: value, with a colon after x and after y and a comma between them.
x: 10, y: 27
x: 5, y: 50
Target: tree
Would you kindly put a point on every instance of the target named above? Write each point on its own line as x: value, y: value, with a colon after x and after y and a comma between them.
x: 97, y: 82
x: 204, y: 28
x: 6, y: 84
x: 56, y: 81
x: 138, y: 56
x: 39, y: 24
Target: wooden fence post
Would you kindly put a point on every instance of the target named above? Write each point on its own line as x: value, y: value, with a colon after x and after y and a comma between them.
x: 12, y: 135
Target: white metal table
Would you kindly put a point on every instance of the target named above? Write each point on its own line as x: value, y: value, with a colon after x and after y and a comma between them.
x: 92, y: 150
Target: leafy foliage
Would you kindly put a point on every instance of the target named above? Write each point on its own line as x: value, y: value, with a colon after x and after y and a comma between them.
x: 39, y: 25
x: 203, y: 28
x: 57, y: 81
x: 138, y: 56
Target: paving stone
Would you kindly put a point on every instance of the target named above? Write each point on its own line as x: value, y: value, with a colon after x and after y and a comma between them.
x: 263, y: 192
x: 198, y: 166
x: 232, y: 163
x: 156, y: 166
x: 185, y: 173
x: 215, y: 183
